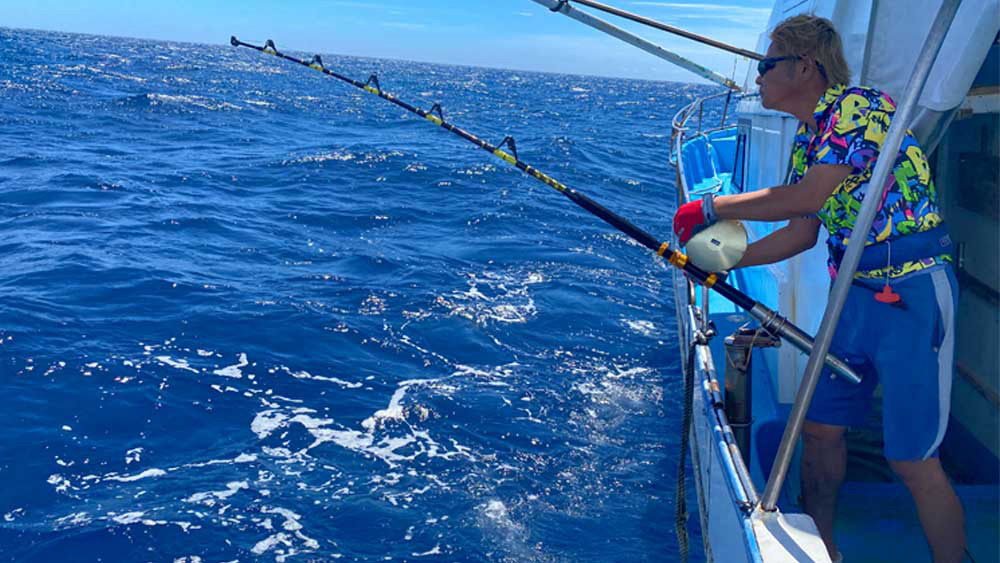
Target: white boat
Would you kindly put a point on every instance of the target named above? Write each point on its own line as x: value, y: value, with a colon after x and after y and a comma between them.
x: 744, y: 385
x: 957, y: 118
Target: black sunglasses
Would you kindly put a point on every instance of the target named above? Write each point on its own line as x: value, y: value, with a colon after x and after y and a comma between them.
x: 767, y: 64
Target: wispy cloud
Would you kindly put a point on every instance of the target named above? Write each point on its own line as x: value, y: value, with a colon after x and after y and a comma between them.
x: 403, y: 25
x: 346, y: 4
x: 707, y: 7
x: 525, y: 14
x: 691, y: 12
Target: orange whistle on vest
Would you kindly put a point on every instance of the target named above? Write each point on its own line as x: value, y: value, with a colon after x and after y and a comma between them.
x: 887, y: 295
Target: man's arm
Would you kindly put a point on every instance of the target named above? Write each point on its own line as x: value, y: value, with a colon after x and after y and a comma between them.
x: 785, y: 202
x: 798, y: 235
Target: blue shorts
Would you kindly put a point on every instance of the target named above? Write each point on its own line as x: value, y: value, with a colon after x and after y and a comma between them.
x: 910, y: 351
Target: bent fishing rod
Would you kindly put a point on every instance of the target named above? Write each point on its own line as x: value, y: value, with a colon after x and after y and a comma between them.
x: 770, y: 320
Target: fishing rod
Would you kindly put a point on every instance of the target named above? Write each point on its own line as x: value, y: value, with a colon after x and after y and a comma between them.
x: 770, y: 320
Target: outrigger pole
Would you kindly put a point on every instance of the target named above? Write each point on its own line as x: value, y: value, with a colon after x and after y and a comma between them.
x: 565, y: 8
x: 770, y: 320
x: 662, y: 27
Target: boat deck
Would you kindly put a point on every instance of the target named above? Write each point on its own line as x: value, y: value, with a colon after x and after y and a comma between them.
x: 876, y: 518
x: 877, y: 522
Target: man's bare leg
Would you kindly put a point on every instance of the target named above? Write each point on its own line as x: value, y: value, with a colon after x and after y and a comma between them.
x: 824, y: 459
x: 938, y: 507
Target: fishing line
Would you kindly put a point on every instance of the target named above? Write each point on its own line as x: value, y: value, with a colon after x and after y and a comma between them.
x: 769, y: 319
x: 436, y: 115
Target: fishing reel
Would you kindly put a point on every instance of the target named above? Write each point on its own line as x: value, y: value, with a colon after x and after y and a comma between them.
x: 718, y: 247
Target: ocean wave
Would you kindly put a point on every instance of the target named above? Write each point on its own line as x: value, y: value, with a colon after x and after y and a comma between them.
x: 251, y: 312
x: 177, y: 101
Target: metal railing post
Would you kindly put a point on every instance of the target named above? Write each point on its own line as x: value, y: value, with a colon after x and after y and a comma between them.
x: 886, y: 161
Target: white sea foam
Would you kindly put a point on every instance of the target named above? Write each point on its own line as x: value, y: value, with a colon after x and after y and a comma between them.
x: 61, y: 483
x: 269, y: 542
x: 496, y: 520
x: 343, y: 156
x: 436, y: 550
x: 179, y: 364
x: 128, y: 478
x: 13, y: 514
x: 645, y: 328
x: 197, y: 101
x: 75, y: 519
x: 383, y: 434
x: 291, y: 536
x: 494, y: 297
x: 619, y: 373
x: 307, y: 375
x: 209, y: 498
x: 372, y: 305
x: 260, y: 103
x: 235, y: 370
x: 266, y: 422
x: 133, y: 456
x: 128, y: 517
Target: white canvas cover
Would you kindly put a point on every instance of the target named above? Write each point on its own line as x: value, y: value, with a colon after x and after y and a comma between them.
x: 883, y: 38
x: 897, y: 38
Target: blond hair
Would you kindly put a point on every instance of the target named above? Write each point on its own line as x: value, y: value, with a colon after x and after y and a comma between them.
x: 815, y: 38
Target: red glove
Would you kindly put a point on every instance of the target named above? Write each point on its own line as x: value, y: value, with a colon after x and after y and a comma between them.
x: 688, y: 218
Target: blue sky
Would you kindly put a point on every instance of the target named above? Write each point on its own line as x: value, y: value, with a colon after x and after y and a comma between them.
x: 518, y: 34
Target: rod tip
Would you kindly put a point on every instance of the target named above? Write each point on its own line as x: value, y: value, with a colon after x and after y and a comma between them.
x: 234, y: 41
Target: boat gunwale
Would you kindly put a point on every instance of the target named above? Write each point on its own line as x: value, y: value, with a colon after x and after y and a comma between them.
x: 742, y: 492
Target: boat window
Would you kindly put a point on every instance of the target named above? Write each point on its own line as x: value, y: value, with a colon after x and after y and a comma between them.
x: 739, y: 161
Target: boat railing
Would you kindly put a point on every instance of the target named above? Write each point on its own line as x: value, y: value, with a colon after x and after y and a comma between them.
x: 735, y: 474
x: 680, y: 133
x: 738, y: 479
x: 679, y: 125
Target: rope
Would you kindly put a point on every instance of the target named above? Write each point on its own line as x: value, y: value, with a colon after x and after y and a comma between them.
x: 681, y: 516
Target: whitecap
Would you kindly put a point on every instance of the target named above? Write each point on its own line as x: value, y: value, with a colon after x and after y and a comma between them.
x: 259, y: 103
x: 127, y: 518
x: 145, y: 474
x: 643, y: 327
x: 75, y: 519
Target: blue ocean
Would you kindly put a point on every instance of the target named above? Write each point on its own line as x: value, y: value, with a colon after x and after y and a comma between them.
x: 253, y: 313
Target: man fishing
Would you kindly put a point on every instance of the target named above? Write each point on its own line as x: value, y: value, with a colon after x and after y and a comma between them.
x: 897, y: 325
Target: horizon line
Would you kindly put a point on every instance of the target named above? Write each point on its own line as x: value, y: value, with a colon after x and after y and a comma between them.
x: 226, y: 43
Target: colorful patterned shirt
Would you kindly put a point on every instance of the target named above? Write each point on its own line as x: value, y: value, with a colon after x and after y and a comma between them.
x: 852, y: 125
